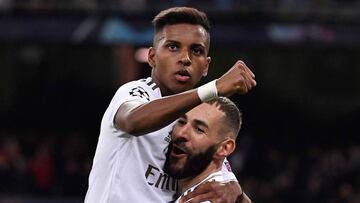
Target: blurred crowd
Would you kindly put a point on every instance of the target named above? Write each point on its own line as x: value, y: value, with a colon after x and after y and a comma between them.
x: 144, y: 5
x: 43, y: 164
x: 314, y: 174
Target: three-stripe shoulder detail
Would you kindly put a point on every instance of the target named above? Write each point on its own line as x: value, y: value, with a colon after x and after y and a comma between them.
x: 150, y: 83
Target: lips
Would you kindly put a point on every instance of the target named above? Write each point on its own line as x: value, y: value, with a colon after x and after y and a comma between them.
x: 182, y: 76
x: 178, y: 152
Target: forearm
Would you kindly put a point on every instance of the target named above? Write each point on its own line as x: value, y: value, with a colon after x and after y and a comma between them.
x: 156, y: 114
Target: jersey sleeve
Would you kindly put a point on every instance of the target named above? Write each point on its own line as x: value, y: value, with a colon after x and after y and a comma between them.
x: 227, y: 173
x: 133, y: 91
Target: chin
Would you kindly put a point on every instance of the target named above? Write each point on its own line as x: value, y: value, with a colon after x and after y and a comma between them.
x: 173, y: 171
x: 184, y: 87
x: 176, y: 169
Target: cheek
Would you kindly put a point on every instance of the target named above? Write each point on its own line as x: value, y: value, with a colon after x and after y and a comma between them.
x: 201, y: 66
x: 163, y: 61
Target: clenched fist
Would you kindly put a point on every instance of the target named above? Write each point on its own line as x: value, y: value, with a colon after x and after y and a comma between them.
x: 239, y: 79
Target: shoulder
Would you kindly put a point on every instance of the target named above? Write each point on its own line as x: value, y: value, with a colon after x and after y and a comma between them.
x: 144, y: 89
x: 147, y: 83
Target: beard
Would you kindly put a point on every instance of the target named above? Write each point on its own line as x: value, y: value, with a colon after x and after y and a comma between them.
x: 194, y: 165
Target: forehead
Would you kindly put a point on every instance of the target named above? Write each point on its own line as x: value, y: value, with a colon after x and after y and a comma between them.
x: 210, y: 114
x: 180, y: 32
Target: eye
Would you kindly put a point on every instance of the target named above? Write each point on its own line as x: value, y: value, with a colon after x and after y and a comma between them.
x: 198, y: 51
x: 181, y: 122
x: 199, y: 130
x: 172, y: 47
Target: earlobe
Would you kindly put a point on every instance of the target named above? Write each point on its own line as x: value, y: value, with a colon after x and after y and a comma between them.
x: 151, y: 55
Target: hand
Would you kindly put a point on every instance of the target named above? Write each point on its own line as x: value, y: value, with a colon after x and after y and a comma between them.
x: 243, y: 199
x: 216, y: 192
x: 239, y: 79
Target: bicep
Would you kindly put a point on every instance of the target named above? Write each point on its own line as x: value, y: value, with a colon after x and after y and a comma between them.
x: 124, y: 111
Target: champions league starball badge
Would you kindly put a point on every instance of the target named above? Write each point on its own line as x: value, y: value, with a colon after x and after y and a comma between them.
x: 139, y: 92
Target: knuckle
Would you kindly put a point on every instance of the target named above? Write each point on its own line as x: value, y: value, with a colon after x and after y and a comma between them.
x: 240, y: 61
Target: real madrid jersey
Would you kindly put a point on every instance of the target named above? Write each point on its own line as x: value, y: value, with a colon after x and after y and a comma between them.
x: 129, y: 168
x: 217, y: 176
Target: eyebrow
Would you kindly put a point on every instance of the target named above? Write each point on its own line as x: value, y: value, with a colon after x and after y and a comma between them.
x: 193, y: 45
x: 172, y: 41
x: 198, y: 45
x: 197, y: 121
x: 200, y: 122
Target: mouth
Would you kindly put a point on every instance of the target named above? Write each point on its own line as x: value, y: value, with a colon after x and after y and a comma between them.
x: 178, y: 152
x: 182, y: 76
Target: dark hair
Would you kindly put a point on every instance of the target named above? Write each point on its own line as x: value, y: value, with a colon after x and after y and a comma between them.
x: 233, y: 118
x: 178, y: 15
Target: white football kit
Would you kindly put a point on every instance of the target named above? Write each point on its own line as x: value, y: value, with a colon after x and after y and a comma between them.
x: 127, y: 168
x: 217, y: 176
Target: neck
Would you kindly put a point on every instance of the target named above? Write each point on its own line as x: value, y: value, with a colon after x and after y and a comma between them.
x: 164, y: 91
x: 187, y: 183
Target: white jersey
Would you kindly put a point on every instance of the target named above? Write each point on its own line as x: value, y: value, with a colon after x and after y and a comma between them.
x: 217, y: 176
x: 127, y: 168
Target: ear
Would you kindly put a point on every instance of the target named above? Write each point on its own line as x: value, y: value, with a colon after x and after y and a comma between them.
x: 205, y: 71
x: 225, y: 148
x: 151, y: 57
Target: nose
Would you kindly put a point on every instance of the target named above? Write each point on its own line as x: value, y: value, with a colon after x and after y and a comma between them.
x: 185, y: 59
x: 181, y: 133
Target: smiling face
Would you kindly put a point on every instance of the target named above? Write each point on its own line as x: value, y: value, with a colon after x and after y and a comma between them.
x: 196, y: 141
x: 179, y: 57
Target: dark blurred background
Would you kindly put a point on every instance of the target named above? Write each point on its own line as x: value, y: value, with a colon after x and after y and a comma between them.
x: 62, y: 61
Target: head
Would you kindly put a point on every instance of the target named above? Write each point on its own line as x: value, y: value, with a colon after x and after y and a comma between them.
x: 203, y: 136
x: 179, y: 56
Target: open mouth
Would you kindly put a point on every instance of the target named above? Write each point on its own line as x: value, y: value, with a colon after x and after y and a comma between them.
x: 178, y: 152
x: 182, y: 75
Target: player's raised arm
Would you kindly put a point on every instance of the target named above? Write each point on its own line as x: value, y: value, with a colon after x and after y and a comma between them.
x: 137, y: 119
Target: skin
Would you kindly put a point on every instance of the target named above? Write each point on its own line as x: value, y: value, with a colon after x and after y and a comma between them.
x: 179, y: 47
x: 217, y: 193
x: 176, y: 50
x: 194, y: 133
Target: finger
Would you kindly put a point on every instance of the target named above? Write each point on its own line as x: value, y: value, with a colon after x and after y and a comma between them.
x: 247, y: 77
x: 244, y: 198
x: 219, y: 200
x: 198, y: 191
x: 245, y: 83
x: 201, y: 198
x: 207, y: 188
x: 250, y: 72
x: 246, y: 68
x: 253, y: 82
x: 241, y: 89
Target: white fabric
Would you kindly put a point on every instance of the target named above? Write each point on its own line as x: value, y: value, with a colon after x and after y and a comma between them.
x: 208, y: 91
x: 217, y: 176
x: 128, y: 168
